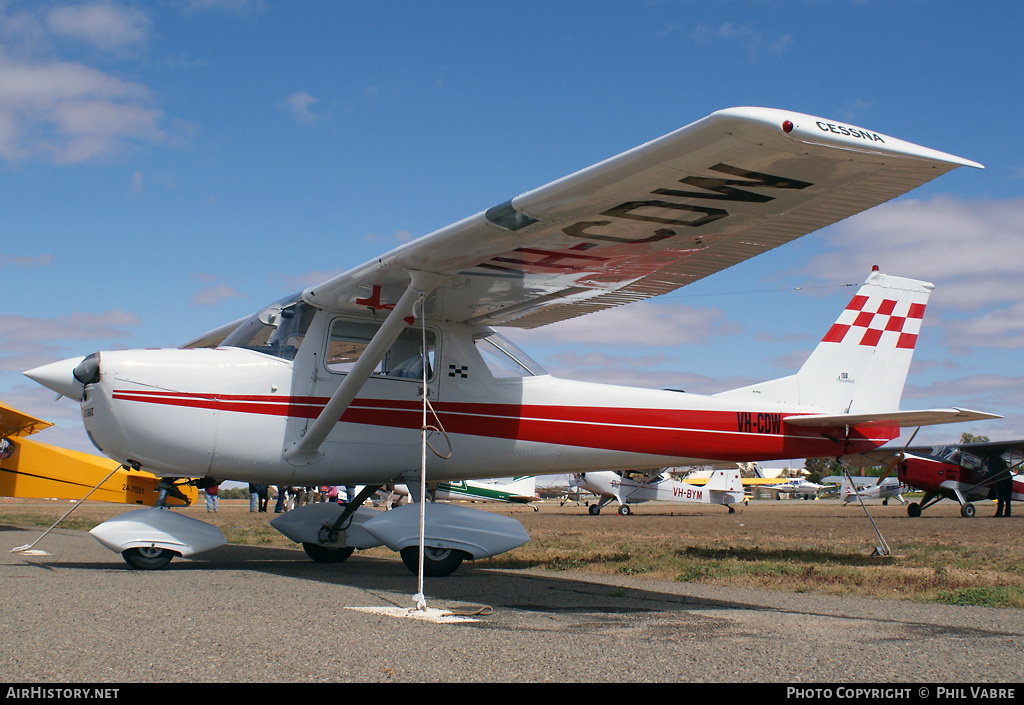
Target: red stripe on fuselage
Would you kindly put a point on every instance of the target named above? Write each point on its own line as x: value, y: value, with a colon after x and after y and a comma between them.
x: 668, y: 432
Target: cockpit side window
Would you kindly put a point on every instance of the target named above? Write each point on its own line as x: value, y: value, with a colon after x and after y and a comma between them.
x: 277, y: 330
x: 404, y: 360
x: 970, y: 461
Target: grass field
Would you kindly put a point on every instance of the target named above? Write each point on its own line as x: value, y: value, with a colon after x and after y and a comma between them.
x: 813, y: 546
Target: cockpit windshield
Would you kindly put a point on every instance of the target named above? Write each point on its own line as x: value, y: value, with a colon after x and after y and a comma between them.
x: 277, y: 330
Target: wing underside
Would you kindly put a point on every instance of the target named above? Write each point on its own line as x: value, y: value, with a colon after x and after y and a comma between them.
x: 699, y: 200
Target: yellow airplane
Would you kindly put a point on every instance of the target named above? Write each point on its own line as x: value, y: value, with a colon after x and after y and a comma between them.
x: 29, y: 468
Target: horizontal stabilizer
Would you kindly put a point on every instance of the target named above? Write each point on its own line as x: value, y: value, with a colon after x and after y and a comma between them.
x: 927, y: 417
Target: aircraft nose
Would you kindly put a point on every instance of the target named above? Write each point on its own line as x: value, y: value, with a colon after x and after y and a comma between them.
x: 68, y: 377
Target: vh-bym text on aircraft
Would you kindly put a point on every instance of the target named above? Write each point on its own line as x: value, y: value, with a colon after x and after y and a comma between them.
x: 632, y: 487
x: 328, y: 386
x: 962, y: 472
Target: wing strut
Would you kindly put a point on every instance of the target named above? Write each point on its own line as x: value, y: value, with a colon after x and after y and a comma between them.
x: 306, y: 450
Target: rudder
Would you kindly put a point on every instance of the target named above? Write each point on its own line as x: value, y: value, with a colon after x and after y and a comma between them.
x: 861, y: 364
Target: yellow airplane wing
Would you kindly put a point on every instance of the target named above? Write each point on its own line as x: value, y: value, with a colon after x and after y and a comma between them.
x: 18, y: 423
x: 35, y: 470
x: 745, y: 480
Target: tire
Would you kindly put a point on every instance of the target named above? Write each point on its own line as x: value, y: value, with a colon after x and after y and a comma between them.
x: 594, y: 510
x: 437, y: 563
x: 624, y: 510
x: 967, y: 511
x: 913, y: 510
x: 327, y: 554
x: 147, y: 558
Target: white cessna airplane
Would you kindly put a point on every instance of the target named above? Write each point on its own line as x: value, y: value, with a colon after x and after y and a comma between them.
x: 871, y: 488
x: 631, y: 487
x: 797, y: 487
x: 330, y: 386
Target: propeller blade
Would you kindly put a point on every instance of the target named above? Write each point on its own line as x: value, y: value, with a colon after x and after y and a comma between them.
x: 897, y: 458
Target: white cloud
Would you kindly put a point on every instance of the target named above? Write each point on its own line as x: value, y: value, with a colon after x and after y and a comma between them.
x: 960, y: 245
x: 661, y: 325
x: 299, y: 104
x: 76, y: 326
x: 756, y: 41
x: 104, y: 26
x: 213, y: 295
x: 29, y: 342
x: 69, y: 113
x: 66, y: 111
x: 970, y: 249
x: 234, y: 6
x: 26, y: 261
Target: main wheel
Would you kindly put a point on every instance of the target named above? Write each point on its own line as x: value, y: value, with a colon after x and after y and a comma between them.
x: 914, y: 510
x: 147, y: 557
x: 967, y: 510
x: 624, y: 510
x: 327, y: 554
x: 594, y: 510
x: 437, y: 562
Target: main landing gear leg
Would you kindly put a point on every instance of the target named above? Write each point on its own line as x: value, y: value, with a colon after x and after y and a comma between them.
x: 914, y: 509
x: 169, y: 488
x: 329, y: 532
x: 595, y: 509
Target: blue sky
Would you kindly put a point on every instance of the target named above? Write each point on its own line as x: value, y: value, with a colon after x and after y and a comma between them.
x: 166, y: 167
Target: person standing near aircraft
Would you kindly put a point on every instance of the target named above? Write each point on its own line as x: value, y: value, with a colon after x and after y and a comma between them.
x: 1003, y: 483
x: 212, y: 498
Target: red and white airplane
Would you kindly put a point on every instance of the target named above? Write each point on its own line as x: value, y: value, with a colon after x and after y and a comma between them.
x: 961, y: 472
x: 329, y: 386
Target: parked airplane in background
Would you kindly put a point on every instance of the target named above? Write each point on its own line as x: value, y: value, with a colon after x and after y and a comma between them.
x: 30, y: 469
x: 797, y: 487
x: 632, y: 487
x: 522, y: 490
x: 871, y: 489
x: 335, y: 385
x: 962, y: 472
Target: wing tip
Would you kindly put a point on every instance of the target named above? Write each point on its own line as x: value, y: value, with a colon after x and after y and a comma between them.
x: 832, y: 133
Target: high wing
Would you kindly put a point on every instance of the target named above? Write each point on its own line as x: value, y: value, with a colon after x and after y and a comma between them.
x: 670, y: 212
x: 14, y: 423
x: 882, y: 456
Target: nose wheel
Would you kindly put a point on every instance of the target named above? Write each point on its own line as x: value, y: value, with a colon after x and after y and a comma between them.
x: 147, y: 557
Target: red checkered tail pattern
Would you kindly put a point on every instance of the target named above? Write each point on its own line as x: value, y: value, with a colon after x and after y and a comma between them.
x: 861, y: 364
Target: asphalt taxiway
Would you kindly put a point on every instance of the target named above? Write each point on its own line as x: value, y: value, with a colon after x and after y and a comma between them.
x: 250, y: 614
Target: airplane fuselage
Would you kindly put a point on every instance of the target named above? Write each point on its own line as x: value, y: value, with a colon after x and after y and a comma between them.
x: 936, y: 475
x: 228, y: 413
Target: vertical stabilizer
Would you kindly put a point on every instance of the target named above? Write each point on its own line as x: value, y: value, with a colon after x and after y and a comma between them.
x: 725, y: 481
x: 861, y: 364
